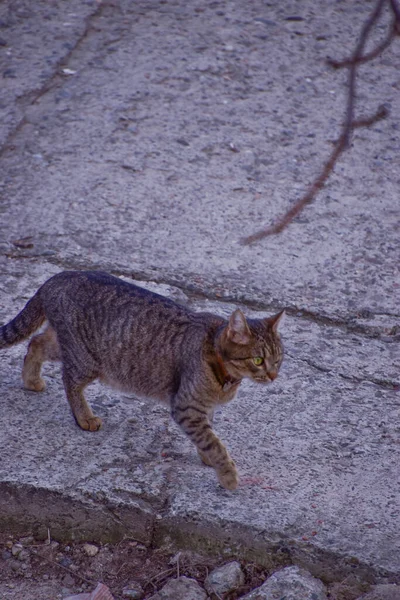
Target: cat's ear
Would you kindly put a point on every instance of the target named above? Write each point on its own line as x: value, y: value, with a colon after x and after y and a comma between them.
x: 276, y: 320
x: 237, y: 330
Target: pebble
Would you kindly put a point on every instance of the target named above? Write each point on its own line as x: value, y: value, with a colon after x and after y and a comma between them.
x: 90, y: 549
x: 68, y: 580
x: 27, y: 541
x: 224, y: 579
x: 24, y: 555
x: 16, y: 549
x: 65, y: 561
x: 182, y: 588
x: 134, y: 591
x: 15, y: 565
x: 291, y: 583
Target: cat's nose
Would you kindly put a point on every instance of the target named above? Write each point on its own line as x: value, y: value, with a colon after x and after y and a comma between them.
x: 273, y: 375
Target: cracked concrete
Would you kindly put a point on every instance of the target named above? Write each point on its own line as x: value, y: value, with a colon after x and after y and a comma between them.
x: 146, y: 139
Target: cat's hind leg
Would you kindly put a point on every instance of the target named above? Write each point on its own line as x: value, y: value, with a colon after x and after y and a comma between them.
x: 74, y: 384
x: 42, y: 347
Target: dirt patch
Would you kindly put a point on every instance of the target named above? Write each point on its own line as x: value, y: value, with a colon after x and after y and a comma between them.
x: 37, y: 570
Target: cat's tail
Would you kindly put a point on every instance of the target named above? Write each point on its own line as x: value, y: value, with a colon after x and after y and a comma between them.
x: 30, y: 318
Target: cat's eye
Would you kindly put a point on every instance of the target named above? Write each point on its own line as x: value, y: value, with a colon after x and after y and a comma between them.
x: 258, y: 361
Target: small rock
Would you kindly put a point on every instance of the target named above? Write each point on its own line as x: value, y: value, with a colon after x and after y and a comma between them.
x: 291, y: 583
x: 383, y: 592
x: 65, y: 561
x: 90, y: 549
x: 24, y: 555
x: 15, y: 565
x: 68, y: 580
x: 182, y: 588
x: 27, y: 541
x: 224, y: 579
x: 16, y: 549
x: 134, y: 591
x: 6, y: 554
x: 101, y: 592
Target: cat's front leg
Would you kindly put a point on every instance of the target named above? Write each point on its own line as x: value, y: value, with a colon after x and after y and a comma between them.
x: 204, y: 457
x: 194, y: 421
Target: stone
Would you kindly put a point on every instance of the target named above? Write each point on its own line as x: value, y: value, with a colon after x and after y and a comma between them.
x: 16, y: 549
x: 134, y: 591
x: 27, y: 541
x: 68, y: 580
x: 383, y: 592
x: 182, y: 588
x: 65, y: 561
x: 224, y: 579
x: 24, y: 555
x: 101, y: 592
x: 90, y: 549
x: 291, y: 583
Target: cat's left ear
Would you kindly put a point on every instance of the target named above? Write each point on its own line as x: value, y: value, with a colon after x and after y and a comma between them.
x: 276, y: 320
x: 237, y: 330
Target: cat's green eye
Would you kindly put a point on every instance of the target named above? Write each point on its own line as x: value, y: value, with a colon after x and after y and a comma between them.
x: 258, y: 361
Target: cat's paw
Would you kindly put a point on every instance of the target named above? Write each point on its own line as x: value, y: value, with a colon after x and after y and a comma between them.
x: 229, y: 477
x: 90, y: 423
x: 35, y: 385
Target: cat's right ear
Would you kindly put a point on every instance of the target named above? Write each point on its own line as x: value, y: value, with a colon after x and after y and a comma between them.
x: 276, y: 320
x: 237, y: 330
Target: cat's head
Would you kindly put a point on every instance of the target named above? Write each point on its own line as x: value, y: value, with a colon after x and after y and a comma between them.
x: 252, y: 347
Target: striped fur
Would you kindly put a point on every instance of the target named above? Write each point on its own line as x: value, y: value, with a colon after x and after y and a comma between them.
x: 103, y: 328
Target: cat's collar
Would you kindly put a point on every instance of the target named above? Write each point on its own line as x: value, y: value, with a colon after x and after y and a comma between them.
x: 225, y: 379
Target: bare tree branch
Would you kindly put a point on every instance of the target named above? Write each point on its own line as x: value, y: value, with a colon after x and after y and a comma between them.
x: 396, y: 10
x: 338, y: 64
x: 353, y: 66
x: 349, y: 125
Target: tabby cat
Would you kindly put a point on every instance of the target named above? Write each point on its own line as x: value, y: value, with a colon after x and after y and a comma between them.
x: 102, y: 327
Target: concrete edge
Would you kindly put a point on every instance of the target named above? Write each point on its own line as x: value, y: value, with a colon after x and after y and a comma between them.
x: 79, y: 517
x: 243, y: 543
x: 72, y: 516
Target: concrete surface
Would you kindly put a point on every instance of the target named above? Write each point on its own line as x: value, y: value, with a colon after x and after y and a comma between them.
x: 146, y: 138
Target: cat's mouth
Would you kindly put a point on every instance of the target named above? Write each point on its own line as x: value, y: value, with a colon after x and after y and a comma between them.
x: 264, y: 379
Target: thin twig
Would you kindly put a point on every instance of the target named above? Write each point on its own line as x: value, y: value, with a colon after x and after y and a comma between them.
x: 214, y: 591
x: 318, y: 183
x: 349, y: 124
x: 160, y: 576
x: 339, y: 64
x: 396, y: 10
x: 352, y: 70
